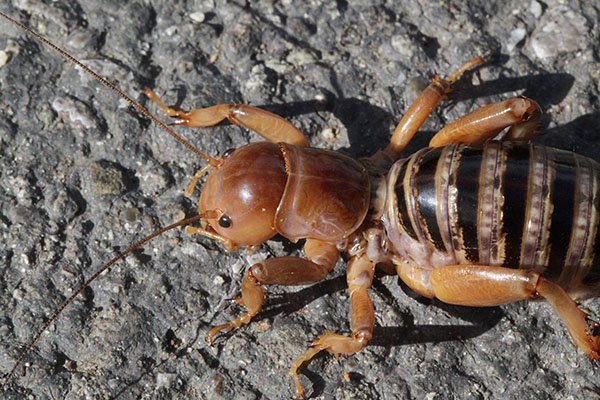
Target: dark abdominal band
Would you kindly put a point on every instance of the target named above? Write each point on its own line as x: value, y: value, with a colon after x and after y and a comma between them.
x: 516, y: 211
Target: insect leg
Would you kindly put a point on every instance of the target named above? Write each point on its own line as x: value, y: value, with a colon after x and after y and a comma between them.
x: 268, y: 125
x: 359, y: 277
x: 422, y: 107
x: 289, y: 271
x: 478, y: 285
x: 520, y: 113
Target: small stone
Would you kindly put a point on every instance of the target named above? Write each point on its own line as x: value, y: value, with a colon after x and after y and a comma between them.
x: 75, y: 110
x: 4, y: 56
x: 237, y: 267
x: 516, y: 35
x: 276, y: 65
x: 198, y: 17
x: 559, y: 31
x: 105, y: 179
x: 536, y: 9
x: 164, y: 380
x: 301, y: 57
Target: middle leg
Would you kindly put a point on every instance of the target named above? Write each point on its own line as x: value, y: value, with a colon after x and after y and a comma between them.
x: 359, y: 277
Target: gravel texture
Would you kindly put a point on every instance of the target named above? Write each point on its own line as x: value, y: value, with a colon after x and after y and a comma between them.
x: 83, y: 176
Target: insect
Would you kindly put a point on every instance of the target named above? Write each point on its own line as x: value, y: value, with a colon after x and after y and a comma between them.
x: 219, y: 221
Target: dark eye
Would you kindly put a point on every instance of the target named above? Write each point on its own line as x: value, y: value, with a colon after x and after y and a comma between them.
x: 227, y: 153
x: 224, y: 221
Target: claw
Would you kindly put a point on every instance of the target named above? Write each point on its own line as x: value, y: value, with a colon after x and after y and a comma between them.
x: 208, y: 338
x: 213, y: 332
x: 332, y: 343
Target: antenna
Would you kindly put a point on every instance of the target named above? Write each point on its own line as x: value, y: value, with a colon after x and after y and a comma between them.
x: 212, y: 161
x: 87, y: 283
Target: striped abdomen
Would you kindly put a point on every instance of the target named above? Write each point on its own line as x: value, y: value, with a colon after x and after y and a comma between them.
x: 524, y: 206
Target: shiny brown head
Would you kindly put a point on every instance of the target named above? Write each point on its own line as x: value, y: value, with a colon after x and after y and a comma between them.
x: 245, y: 190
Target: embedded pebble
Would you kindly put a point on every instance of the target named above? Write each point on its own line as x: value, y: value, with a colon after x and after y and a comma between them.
x: 3, y: 58
x: 516, y: 35
x: 75, y: 110
x: 105, y: 179
x: 198, y: 17
x: 536, y: 9
x: 559, y: 31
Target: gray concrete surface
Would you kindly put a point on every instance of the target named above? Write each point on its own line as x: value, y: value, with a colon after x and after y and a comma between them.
x: 83, y: 176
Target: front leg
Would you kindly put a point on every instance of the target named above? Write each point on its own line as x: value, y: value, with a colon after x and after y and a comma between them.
x: 288, y: 271
x: 268, y: 125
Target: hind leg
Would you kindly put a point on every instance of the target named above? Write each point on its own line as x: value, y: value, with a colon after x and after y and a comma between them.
x: 484, y: 286
x: 521, y: 114
x: 420, y: 109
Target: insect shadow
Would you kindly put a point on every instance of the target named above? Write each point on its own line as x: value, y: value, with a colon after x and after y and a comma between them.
x: 364, y: 120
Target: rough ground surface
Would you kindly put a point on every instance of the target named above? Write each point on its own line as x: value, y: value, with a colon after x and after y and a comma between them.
x: 83, y: 176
